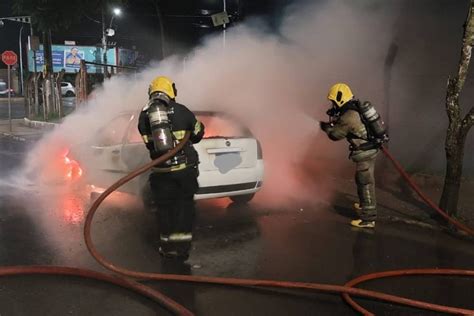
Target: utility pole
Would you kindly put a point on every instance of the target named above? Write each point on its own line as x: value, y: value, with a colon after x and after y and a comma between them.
x: 104, y: 45
x: 105, y: 33
x: 34, y: 47
x: 224, y: 25
x: 21, y: 62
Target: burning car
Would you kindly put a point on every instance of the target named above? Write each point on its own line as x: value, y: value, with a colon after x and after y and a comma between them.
x: 231, y: 162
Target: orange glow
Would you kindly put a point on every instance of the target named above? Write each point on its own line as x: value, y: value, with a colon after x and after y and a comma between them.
x: 215, y: 126
x: 60, y: 168
x: 208, y: 132
x: 72, y: 169
x: 73, y: 210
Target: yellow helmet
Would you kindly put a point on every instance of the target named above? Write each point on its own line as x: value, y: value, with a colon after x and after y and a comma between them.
x: 340, y: 93
x: 163, y: 84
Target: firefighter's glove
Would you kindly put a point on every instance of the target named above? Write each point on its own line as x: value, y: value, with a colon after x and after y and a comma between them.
x: 332, y: 112
x: 325, y: 126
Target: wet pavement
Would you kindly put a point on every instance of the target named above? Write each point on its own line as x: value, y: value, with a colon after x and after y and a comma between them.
x: 307, y: 242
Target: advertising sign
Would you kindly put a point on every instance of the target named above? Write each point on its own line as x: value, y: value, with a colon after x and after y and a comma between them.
x: 69, y: 58
x: 127, y: 57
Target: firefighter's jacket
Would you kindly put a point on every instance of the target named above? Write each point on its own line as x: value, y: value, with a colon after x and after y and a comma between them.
x: 182, y: 120
x: 350, y: 126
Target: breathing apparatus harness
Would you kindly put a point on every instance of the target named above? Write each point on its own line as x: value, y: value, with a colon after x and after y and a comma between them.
x: 376, y: 130
x: 158, y: 109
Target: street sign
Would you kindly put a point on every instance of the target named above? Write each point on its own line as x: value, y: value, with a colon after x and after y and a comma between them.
x: 9, y: 58
x: 220, y: 18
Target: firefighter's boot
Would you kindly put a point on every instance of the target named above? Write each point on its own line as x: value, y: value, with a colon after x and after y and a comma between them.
x: 363, y: 224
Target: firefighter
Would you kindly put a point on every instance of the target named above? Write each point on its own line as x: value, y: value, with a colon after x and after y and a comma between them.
x: 162, y: 124
x: 363, y: 128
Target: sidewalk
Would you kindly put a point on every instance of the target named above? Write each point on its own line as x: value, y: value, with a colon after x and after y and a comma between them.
x: 24, y: 129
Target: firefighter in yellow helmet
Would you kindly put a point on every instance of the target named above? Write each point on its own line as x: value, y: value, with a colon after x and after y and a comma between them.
x: 360, y: 124
x: 162, y: 124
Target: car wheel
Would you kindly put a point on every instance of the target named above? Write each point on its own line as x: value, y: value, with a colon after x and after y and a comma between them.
x: 242, y: 199
x: 70, y: 94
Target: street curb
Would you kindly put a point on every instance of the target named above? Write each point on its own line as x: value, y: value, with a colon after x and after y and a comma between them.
x: 39, y: 124
x: 14, y: 137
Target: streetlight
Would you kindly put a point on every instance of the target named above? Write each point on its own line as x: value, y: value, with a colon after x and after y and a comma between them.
x: 108, y: 32
x: 117, y: 12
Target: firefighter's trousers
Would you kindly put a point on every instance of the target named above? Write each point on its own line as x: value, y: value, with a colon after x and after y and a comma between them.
x: 173, y: 193
x: 364, y: 178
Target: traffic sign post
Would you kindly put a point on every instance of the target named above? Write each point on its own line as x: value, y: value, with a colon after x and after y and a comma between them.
x: 9, y: 58
x: 9, y: 101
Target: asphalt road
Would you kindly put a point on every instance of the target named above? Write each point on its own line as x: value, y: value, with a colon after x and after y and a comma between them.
x: 17, y: 108
x: 310, y: 242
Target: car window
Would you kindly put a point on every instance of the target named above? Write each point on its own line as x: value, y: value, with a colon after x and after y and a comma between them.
x: 220, y: 125
x: 63, y: 84
x: 133, y: 135
x: 114, y: 132
x: 216, y: 125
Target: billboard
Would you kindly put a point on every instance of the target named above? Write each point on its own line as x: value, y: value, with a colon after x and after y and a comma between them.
x: 127, y: 57
x: 69, y: 58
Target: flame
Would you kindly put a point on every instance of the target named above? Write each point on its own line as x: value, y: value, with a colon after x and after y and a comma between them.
x: 73, y: 169
x: 208, y: 132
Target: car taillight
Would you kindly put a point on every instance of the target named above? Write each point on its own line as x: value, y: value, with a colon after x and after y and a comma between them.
x: 259, y: 150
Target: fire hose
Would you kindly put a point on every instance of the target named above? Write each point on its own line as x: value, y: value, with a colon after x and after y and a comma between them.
x: 346, y: 290
x: 427, y: 200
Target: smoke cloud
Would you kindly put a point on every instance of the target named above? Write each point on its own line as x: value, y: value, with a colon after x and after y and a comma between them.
x: 274, y: 82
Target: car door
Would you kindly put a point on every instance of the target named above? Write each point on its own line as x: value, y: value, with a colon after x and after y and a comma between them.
x: 134, y: 155
x: 64, y: 86
x: 105, y: 164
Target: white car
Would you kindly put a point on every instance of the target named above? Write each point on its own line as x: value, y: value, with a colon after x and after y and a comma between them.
x: 4, y: 90
x: 231, y: 163
x: 67, y: 89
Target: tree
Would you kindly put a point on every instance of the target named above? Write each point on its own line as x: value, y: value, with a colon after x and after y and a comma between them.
x: 49, y: 16
x: 159, y: 14
x: 55, y: 15
x: 459, y: 125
